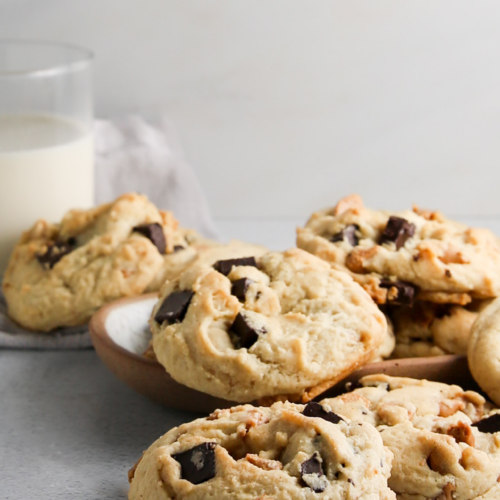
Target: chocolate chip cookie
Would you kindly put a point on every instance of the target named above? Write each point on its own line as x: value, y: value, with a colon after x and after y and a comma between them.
x: 282, y: 452
x: 284, y: 324
x: 428, y: 329
x: 60, y: 274
x: 403, y: 256
x: 445, y: 441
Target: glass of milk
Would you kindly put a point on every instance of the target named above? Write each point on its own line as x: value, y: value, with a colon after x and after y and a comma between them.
x: 46, y: 147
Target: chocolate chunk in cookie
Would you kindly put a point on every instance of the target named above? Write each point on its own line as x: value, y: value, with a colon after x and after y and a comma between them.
x: 314, y: 409
x: 398, y: 230
x: 239, y: 288
x: 262, y: 453
x: 244, y: 334
x: 153, y: 232
x: 347, y: 234
x: 311, y: 473
x: 489, y: 424
x: 174, y: 307
x: 198, y: 463
x: 399, y: 292
x: 55, y: 252
x: 224, y: 266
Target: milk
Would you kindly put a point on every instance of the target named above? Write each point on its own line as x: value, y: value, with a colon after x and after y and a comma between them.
x: 46, y: 168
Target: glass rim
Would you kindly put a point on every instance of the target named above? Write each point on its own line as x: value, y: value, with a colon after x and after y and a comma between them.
x: 82, y: 57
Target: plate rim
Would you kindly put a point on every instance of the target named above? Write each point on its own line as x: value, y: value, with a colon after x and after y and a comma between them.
x: 97, y: 326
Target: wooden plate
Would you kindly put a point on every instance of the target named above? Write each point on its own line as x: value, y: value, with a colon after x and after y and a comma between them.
x: 120, y: 334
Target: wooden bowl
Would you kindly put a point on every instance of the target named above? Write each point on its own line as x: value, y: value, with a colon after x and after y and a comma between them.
x: 120, y: 334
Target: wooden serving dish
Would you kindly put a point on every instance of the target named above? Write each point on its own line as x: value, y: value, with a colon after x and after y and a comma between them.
x: 120, y: 334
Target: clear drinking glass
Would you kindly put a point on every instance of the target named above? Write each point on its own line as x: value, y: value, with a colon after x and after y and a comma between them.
x: 46, y: 146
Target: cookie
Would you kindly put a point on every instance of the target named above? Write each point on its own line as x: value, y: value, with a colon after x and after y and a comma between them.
x: 406, y: 348
x: 441, y: 328
x: 60, y: 274
x: 281, y: 452
x: 483, y: 352
x: 283, y: 324
x: 403, y: 256
x: 388, y: 344
x: 445, y: 441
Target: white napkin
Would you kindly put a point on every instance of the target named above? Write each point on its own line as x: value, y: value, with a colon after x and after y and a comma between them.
x: 133, y: 155
x: 16, y: 337
x: 130, y: 155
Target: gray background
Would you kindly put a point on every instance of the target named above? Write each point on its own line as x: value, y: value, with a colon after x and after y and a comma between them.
x: 283, y: 106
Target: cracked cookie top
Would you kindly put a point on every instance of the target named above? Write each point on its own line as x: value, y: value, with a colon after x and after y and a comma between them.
x: 281, y: 452
x: 60, y: 274
x: 283, y: 324
x: 403, y: 256
x: 445, y: 441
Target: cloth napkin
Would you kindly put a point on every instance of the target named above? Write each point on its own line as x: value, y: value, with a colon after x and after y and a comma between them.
x: 131, y: 154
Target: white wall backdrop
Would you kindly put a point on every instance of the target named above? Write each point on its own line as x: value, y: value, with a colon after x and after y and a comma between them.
x: 282, y: 106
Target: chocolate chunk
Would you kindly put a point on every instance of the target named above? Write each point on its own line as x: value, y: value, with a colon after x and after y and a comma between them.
x: 348, y: 234
x: 55, y: 252
x: 314, y: 409
x: 224, y: 266
x: 198, y: 463
x: 397, y: 230
x: 243, y: 334
x: 405, y: 295
x: 239, y: 288
x: 153, y: 232
x: 489, y: 424
x: 311, y: 473
x: 174, y: 307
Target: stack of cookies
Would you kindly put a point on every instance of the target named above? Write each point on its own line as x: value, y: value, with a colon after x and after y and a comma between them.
x: 430, y: 275
x: 245, y: 324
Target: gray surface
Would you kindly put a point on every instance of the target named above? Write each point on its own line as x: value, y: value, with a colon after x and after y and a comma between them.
x: 69, y: 428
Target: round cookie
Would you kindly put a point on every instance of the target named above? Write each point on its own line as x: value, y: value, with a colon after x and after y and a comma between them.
x: 400, y: 256
x: 428, y: 329
x: 280, y: 325
x: 484, y: 351
x: 406, y: 348
x: 387, y: 347
x: 281, y: 452
x: 445, y: 441
x: 60, y: 274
